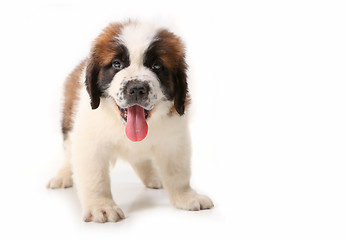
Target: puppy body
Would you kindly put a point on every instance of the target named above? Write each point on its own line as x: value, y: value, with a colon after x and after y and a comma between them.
x: 95, y: 137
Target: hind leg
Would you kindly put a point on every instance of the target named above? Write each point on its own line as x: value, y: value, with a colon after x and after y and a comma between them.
x: 148, y: 174
x: 63, y: 178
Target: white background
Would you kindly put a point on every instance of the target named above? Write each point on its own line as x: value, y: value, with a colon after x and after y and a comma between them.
x: 275, y: 119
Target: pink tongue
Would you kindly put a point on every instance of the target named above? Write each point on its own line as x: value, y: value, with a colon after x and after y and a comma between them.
x: 136, y: 127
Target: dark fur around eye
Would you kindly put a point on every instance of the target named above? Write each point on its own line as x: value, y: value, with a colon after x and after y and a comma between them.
x: 99, y: 76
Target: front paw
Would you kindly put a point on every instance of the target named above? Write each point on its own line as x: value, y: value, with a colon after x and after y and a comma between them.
x: 153, y: 183
x: 60, y: 181
x: 192, y: 202
x: 103, y: 210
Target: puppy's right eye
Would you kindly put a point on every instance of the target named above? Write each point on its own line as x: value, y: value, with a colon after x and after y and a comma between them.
x: 116, y: 64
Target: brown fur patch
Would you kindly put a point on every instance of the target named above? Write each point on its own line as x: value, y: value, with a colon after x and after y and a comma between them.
x: 105, y: 48
x: 71, y: 95
x: 105, y: 45
x: 172, y: 50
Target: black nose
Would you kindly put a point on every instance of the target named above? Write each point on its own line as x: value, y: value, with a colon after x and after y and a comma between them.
x: 137, y: 89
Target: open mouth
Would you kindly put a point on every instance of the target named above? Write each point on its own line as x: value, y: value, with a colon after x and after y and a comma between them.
x: 124, y: 113
x: 136, y: 127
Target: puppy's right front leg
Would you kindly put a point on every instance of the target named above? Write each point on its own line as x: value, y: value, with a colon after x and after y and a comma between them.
x: 91, y: 175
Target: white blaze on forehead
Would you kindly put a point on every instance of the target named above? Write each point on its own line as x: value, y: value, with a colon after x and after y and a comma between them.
x: 137, y: 37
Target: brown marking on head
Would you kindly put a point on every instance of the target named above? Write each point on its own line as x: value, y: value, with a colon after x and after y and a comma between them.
x: 169, y: 50
x: 71, y: 96
x: 105, y: 45
x: 105, y: 48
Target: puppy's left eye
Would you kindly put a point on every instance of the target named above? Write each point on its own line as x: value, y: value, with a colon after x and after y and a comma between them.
x: 116, y: 64
x: 156, y: 66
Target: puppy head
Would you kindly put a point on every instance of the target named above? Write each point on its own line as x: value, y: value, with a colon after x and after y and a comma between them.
x: 138, y: 66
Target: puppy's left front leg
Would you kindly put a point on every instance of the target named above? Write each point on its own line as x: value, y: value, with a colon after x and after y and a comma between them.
x: 91, y: 175
x: 175, y: 174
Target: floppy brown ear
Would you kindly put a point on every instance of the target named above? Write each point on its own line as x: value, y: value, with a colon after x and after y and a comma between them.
x: 181, y: 88
x: 91, y: 82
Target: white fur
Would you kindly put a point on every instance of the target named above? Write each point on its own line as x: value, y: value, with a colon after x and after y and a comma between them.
x: 98, y: 139
x: 137, y: 38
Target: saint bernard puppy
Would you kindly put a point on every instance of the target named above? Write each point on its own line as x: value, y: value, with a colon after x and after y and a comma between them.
x: 128, y: 100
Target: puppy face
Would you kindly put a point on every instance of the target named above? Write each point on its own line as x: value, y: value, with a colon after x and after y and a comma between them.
x: 138, y: 66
